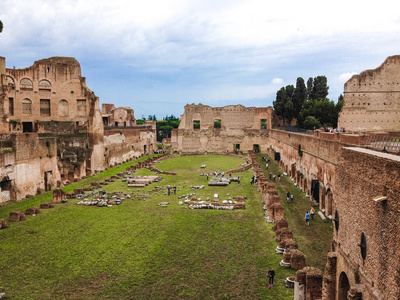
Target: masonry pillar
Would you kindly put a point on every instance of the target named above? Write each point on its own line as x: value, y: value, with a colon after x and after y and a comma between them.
x: 329, y: 280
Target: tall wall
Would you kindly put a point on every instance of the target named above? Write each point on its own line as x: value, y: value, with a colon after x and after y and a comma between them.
x: 239, y: 126
x: 360, y: 177
x: 372, y: 99
x: 317, y: 159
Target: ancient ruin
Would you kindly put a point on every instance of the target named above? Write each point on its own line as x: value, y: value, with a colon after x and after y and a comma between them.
x: 222, y: 129
x: 371, y: 99
x: 53, y: 133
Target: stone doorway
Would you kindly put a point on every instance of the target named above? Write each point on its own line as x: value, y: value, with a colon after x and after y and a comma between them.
x: 27, y: 127
x: 256, y: 148
x: 344, y: 286
x: 48, y: 180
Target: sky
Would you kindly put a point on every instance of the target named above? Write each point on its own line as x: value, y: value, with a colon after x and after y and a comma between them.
x: 156, y: 56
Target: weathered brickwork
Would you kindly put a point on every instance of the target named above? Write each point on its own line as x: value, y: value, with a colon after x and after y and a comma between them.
x: 54, y: 129
x: 221, y: 129
x: 372, y: 99
x: 360, y: 177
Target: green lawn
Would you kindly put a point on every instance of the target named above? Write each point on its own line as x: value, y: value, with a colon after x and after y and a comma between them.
x: 139, y: 250
x: 314, y: 240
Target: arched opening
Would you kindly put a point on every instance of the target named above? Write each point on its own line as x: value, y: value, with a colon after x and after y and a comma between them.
x: 26, y: 84
x: 344, y: 286
x: 44, y: 85
x: 63, y: 109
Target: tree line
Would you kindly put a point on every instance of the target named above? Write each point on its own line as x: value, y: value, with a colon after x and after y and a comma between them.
x: 163, y: 127
x: 308, y: 103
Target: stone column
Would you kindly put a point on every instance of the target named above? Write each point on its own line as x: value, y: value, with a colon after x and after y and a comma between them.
x: 329, y: 280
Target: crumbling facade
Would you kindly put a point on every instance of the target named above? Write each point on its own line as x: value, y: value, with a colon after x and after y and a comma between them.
x: 222, y: 129
x: 117, y: 117
x: 372, y: 99
x: 53, y: 131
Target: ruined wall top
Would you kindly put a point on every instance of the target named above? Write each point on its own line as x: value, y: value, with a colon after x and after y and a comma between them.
x: 372, y: 99
x: 55, y: 68
x: 231, y: 116
x: 384, y: 78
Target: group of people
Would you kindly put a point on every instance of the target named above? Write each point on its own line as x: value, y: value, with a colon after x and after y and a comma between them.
x: 169, y: 190
x: 289, y: 197
x: 334, y: 130
x: 253, y: 180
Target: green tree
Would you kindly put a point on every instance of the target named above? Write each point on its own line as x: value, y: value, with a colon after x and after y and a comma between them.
x: 299, y: 96
x: 320, y: 88
x: 339, y: 104
x: 323, y: 110
x: 311, y: 123
x: 1, y: 26
x: 309, y: 87
x: 283, y: 105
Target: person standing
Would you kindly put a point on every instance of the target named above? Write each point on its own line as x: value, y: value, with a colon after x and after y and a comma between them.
x: 169, y: 189
x: 271, y: 275
x: 174, y: 188
x: 312, y: 212
x: 307, y: 217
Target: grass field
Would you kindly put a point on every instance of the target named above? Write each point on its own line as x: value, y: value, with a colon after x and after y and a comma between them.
x: 314, y: 240
x: 138, y: 250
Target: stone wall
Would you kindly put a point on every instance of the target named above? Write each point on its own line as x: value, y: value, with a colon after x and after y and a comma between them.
x: 360, y: 177
x: 372, y: 99
x: 126, y: 144
x: 305, y: 158
x: 239, y: 127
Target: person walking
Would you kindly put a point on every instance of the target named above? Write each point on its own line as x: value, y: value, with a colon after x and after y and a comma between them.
x: 174, y: 188
x: 169, y: 189
x: 271, y: 275
x: 307, y: 217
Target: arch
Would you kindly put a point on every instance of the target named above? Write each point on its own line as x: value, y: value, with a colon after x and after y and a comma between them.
x: 10, y: 81
x: 44, y: 85
x: 44, y: 82
x: 26, y: 84
x: 344, y: 286
x: 63, y: 108
x: 26, y: 107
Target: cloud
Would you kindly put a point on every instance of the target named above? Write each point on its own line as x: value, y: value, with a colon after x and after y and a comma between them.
x: 277, y: 81
x: 346, y: 76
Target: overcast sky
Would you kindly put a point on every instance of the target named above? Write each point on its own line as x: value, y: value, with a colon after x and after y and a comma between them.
x: 158, y: 55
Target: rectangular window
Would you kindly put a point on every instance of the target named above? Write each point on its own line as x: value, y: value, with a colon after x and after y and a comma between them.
x: 45, y: 107
x: 196, y: 124
x: 263, y: 123
x: 81, y: 108
x: 217, y: 123
x: 11, y: 106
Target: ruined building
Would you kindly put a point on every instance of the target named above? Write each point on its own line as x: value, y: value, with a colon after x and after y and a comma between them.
x: 53, y: 130
x: 372, y: 99
x: 222, y: 129
x: 354, y: 184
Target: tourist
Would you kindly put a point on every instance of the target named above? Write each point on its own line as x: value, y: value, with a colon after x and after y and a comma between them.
x: 270, y: 175
x: 169, y: 190
x: 207, y: 176
x: 291, y: 197
x: 273, y: 177
x: 312, y: 212
x: 279, y: 177
x: 266, y: 165
x: 174, y: 188
x: 230, y: 174
x: 222, y: 174
x: 287, y: 196
x: 307, y: 217
x: 271, y: 275
x: 252, y: 180
x: 238, y: 180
